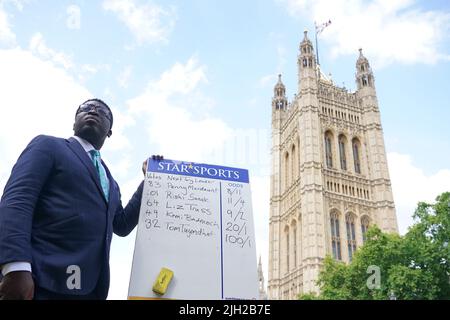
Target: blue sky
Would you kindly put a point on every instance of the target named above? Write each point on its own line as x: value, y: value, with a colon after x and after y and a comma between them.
x: 193, y: 80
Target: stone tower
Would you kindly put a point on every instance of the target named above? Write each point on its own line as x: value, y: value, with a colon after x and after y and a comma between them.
x: 329, y: 178
x: 262, y: 288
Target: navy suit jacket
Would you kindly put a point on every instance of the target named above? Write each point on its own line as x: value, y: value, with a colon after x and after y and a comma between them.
x: 53, y: 214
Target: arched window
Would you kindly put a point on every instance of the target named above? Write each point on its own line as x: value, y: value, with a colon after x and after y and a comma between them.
x: 287, y: 249
x: 294, y: 244
x: 351, y: 235
x: 364, y: 227
x: 294, y: 165
x: 328, y: 149
x: 342, y: 147
x: 286, y: 170
x: 357, y: 155
x: 335, y: 235
x: 364, y: 81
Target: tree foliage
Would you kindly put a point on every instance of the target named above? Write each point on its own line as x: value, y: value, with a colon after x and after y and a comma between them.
x: 413, y: 266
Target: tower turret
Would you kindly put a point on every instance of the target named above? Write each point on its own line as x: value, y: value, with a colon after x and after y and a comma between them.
x: 364, y: 74
x: 279, y: 106
x: 307, y: 70
x: 378, y: 171
x: 279, y: 101
x: 366, y: 92
x: 262, y: 287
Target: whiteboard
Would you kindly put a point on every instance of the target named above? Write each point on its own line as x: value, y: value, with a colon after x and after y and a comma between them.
x: 196, y: 220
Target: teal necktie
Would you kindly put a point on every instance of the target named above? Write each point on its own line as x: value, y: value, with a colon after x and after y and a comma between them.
x: 95, y: 154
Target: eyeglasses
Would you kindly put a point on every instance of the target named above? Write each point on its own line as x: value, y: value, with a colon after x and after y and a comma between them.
x: 100, y: 109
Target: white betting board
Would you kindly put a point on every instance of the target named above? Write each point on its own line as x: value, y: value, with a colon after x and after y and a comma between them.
x: 196, y: 220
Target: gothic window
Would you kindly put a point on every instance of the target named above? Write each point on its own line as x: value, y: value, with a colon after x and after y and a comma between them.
x: 342, y: 155
x: 357, y: 155
x: 286, y: 170
x: 364, y: 227
x: 328, y: 150
x: 310, y: 62
x: 294, y: 244
x: 351, y: 236
x: 279, y: 105
x: 364, y: 80
x: 299, y: 239
x: 294, y: 165
x: 335, y: 236
x: 305, y: 62
x: 362, y: 67
x: 287, y: 249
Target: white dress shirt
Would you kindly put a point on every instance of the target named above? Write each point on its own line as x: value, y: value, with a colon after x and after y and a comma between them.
x: 26, y: 266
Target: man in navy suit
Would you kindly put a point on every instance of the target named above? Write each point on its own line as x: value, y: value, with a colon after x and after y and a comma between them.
x: 58, y: 211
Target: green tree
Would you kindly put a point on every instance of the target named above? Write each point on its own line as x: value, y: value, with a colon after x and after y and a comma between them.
x: 308, y: 296
x: 414, y: 266
x: 427, y: 243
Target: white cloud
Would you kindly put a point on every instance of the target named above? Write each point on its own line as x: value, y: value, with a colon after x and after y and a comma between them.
x: 268, y: 80
x: 37, y: 98
x: 93, y: 69
x: 19, y: 4
x: 124, y: 77
x: 388, y: 31
x: 149, y: 23
x: 40, y: 49
x: 85, y: 71
x: 73, y: 21
x: 7, y: 36
x: 410, y: 185
x: 41, y: 98
x: 178, y: 133
x: 181, y: 78
x: 119, y: 141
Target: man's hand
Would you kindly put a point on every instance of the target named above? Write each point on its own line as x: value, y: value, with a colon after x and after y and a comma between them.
x: 154, y: 157
x: 17, y: 285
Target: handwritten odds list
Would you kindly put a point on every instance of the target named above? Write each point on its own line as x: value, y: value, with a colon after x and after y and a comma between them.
x: 196, y: 220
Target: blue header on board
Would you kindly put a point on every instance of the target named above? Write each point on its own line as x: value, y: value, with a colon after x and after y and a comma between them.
x: 198, y: 170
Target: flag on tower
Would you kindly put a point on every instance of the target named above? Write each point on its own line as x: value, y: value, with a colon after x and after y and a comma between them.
x: 319, y: 28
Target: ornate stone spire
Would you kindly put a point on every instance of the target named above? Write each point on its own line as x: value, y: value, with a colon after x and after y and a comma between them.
x: 364, y: 74
x: 262, y: 288
x: 307, y: 58
x: 307, y: 66
x: 279, y: 100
